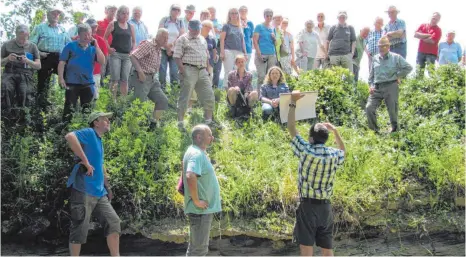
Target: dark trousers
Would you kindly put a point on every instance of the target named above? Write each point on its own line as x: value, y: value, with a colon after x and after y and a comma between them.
x: 424, y: 59
x: 217, y: 70
x: 49, y: 65
x: 16, y: 87
x: 356, y: 73
x: 73, y: 92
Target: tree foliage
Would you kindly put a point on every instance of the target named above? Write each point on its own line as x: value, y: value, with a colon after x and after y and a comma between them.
x: 31, y: 12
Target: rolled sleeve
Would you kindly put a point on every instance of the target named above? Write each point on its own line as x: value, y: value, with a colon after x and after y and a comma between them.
x: 298, y: 145
x: 194, y: 165
x: 341, y: 156
x: 84, y: 135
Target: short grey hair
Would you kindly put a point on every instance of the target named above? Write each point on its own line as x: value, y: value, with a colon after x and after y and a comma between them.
x: 137, y: 8
x: 161, y: 31
x: 21, y: 28
x: 198, y: 130
x: 84, y: 27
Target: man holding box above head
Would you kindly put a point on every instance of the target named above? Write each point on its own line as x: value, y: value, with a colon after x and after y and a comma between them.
x: 316, y: 174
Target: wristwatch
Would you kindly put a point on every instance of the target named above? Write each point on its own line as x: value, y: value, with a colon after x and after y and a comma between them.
x: 292, y: 105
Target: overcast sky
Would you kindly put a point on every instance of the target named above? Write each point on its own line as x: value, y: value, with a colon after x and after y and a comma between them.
x: 360, y: 13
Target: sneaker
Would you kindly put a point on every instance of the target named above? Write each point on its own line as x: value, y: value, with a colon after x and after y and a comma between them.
x: 154, y: 125
x: 214, y: 125
x: 181, y: 126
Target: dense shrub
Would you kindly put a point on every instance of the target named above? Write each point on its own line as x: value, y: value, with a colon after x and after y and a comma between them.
x: 255, y: 165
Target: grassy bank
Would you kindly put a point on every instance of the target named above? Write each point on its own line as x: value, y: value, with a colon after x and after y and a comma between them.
x: 417, y: 171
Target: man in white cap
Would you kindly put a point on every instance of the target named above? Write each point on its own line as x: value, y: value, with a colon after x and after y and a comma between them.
x: 189, y: 14
x: 449, y: 51
x: 20, y: 58
x: 341, y: 43
x: 192, y: 58
x: 385, y: 74
x: 91, y: 192
x: 50, y: 38
x: 395, y: 30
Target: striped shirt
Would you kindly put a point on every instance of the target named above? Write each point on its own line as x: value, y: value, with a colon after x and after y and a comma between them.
x: 317, y: 168
x: 148, y: 55
x: 397, y: 25
x: 50, y: 39
x: 191, y: 50
x: 372, y: 41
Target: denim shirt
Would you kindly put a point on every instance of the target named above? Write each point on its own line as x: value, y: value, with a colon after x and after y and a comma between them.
x: 140, y: 31
x: 270, y: 92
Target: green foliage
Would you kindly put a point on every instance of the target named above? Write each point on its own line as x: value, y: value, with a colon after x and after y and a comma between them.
x: 256, y: 168
x: 31, y: 12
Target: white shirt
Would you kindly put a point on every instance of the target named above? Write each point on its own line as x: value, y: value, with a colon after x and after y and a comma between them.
x: 311, y: 42
x: 323, y: 35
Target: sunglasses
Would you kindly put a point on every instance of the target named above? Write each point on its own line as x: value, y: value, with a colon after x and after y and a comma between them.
x: 269, y: 15
x: 320, y: 16
x: 234, y: 13
x: 175, y: 9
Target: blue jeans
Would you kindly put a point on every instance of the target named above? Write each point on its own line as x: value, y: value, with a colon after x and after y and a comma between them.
x: 267, y: 110
x: 399, y: 48
x: 163, y: 69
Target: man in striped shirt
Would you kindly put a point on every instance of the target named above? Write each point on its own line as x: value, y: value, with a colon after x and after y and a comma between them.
x: 316, y: 174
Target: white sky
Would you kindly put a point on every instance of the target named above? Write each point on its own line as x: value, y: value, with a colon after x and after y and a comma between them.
x: 360, y: 13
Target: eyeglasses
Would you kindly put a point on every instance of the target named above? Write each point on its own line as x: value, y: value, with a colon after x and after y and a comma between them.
x: 234, y: 13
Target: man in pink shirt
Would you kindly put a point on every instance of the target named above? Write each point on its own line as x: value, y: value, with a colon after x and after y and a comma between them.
x: 429, y: 35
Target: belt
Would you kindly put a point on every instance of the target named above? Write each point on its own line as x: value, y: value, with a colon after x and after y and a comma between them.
x: 385, y: 83
x: 49, y: 52
x: 315, y: 201
x: 195, y: 66
x: 146, y: 73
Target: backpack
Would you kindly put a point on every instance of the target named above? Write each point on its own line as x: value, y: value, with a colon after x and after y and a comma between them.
x: 179, y: 23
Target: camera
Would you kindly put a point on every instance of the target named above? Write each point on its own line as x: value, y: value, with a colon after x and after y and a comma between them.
x: 19, y: 58
x: 93, y: 43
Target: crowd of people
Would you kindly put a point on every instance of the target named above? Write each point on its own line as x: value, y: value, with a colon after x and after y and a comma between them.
x: 191, y: 54
x: 194, y: 52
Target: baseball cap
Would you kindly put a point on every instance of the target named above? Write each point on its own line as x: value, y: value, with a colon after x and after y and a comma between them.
x: 96, y: 115
x: 342, y: 14
x: 55, y: 9
x: 194, y: 25
x: 191, y: 8
x: 91, y: 22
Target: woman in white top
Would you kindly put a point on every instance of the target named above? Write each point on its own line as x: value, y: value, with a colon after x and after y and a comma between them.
x: 287, y: 56
x: 231, y: 41
x: 308, y: 43
x: 175, y: 28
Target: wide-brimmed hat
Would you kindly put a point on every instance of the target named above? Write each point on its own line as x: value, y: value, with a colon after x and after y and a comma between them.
x: 384, y: 41
x: 55, y: 9
x: 191, y: 8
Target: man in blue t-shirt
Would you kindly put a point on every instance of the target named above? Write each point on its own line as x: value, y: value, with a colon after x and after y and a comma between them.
x: 91, y: 191
x: 75, y: 70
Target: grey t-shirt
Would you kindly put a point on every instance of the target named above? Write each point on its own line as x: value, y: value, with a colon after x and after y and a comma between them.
x: 340, y: 38
x: 233, y: 38
x: 30, y: 50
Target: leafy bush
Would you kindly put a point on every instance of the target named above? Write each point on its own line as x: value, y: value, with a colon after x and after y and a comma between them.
x: 256, y: 168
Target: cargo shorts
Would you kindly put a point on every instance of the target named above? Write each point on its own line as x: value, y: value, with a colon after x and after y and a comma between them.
x: 82, y: 206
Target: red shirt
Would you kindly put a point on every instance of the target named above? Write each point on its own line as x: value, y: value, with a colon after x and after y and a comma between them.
x: 436, y: 33
x: 102, y: 27
x: 103, y: 47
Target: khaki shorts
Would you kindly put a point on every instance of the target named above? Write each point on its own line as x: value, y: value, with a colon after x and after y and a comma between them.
x: 82, y: 206
x: 149, y: 89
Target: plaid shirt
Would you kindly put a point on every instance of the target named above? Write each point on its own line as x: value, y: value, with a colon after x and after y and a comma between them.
x: 191, y: 50
x: 50, y: 39
x: 244, y: 84
x: 397, y: 25
x: 372, y: 41
x: 148, y: 55
x: 317, y: 168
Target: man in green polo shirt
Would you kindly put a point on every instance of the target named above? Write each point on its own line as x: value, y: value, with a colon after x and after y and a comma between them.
x: 202, y: 191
